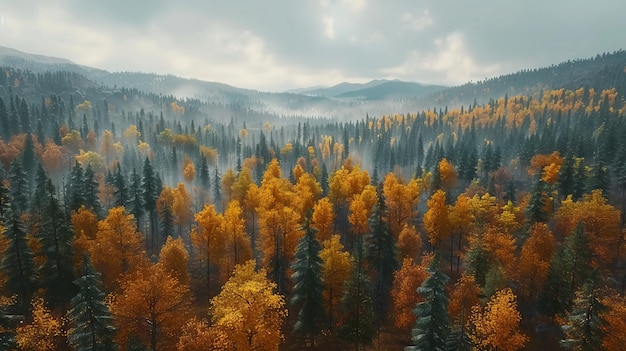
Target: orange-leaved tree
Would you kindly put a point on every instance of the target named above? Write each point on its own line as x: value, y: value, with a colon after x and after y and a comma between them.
x: 406, y: 281
x: 400, y: 200
x: 534, y: 261
x: 175, y: 258
x: 336, y: 268
x: 208, y: 238
x: 323, y: 218
x: 117, y: 248
x: 43, y: 333
x: 151, y: 307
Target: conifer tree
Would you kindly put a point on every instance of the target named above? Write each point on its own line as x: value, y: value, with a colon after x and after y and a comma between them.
x: 432, y: 324
x: 18, y: 263
x: 90, y: 317
x: 90, y: 192
x: 121, y: 194
x: 5, y: 196
x: 56, y: 237
x: 75, y: 188
x: 136, y: 204
x: 151, y: 189
x: 584, y: 325
x: 307, y: 290
x: 358, y: 326
x: 19, y: 187
x: 536, y: 210
x: 381, y: 253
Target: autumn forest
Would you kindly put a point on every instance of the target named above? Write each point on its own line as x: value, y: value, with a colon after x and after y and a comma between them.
x: 491, y: 220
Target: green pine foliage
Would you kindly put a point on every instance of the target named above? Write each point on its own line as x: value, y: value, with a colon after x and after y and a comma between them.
x: 432, y: 325
x: 18, y: 262
x: 307, y: 291
x: 583, y: 327
x: 92, y: 327
x: 357, y: 308
x: 56, y: 238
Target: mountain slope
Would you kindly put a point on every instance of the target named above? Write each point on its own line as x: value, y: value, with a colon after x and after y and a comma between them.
x: 392, y: 89
x: 343, y: 88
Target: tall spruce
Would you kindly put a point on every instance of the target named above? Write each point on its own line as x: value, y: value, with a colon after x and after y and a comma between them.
x: 19, y: 187
x: 357, y: 307
x: 90, y: 317
x: 307, y: 291
x: 136, y: 204
x: 584, y: 325
x: 432, y: 324
x: 150, y: 192
x: 91, y: 192
x: 18, y: 262
x: 121, y: 195
x: 381, y: 254
x: 56, y: 239
x: 75, y: 196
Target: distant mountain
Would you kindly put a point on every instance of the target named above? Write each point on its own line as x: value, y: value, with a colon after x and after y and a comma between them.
x: 392, y: 89
x: 343, y: 88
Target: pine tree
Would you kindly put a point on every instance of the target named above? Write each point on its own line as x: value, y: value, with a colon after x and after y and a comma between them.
x: 91, y: 191
x: 217, y: 187
x: 90, y: 317
x: 432, y: 324
x: 75, y: 188
x: 584, y: 325
x: 5, y: 196
x: 121, y: 194
x: 381, y: 253
x: 536, y: 210
x: 19, y: 187
x: 307, y: 290
x: 56, y: 238
x: 150, y: 192
x: 358, y: 326
x: 205, y: 176
x: 136, y: 204
x: 18, y: 263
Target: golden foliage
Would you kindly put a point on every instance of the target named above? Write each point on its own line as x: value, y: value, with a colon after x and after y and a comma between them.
x: 174, y: 258
x: 323, y: 218
x: 496, y: 327
x: 463, y: 297
x: 248, y: 311
x: 198, y: 335
x: 436, y: 219
x: 409, y: 243
x: 336, y: 268
x: 43, y: 333
x: 401, y: 200
x: 404, y: 292
x: 151, y: 307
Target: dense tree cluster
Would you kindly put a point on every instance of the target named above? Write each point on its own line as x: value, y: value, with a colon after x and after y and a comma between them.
x: 444, y: 229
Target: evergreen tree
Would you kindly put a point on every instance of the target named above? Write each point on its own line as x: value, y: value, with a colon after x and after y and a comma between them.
x: 566, y: 177
x: 381, y: 253
x: 356, y: 304
x: 151, y: 190
x: 19, y: 187
x: 5, y: 127
x: 599, y: 178
x: 90, y: 317
x: 217, y: 188
x: 56, y: 238
x: 307, y: 291
x: 136, y: 204
x: 536, y: 210
x: 121, y: 194
x: 5, y: 196
x: 432, y: 324
x: 18, y: 263
x: 75, y: 196
x: 584, y: 325
x: 91, y: 191
x: 28, y: 158
x: 205, y: 176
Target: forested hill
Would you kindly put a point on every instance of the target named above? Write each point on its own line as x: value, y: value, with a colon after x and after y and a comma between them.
x: 604, y: 71
x: 139, y: 221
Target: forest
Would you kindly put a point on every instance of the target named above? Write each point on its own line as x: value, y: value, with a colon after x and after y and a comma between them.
x: 494, y: 220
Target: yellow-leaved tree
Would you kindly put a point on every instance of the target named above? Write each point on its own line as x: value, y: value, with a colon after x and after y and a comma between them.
x: 174, y: 258
x: 43, y: 333
x: 336, y: 268
x: 248, y: 311
x: 496, y: 327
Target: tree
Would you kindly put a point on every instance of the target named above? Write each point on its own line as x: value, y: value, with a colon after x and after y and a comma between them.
x: 150, y: 193
x: 436, y: 219
x: 198, y: 335
x: 117, y: 247
x: 75, y: 192
x: 43, y: 333
x: 537, y: 210
x: 381, y: 253
x: 497, y: 326
x: 91, y: 192
x: 409, y: 243
x: 432, y: 323
x: 18, y: 263
x: 534, y: 261
x: 237, y: 243
x: 406, y: 281
x: 584, y: 325
x: 136, y: 204
x: 463, y: 297
x: 400, y: 201
x: 357, y: 309
x: 121, y: 194
x: 90, y: 318
x: 181, y: 208
x: 19, y: 187
x: 56, y: 239
x: 152, y: 307
x: 174, y: 258
x: 336, y: 268
x: 208, y: 238
x: 248, y: 310
x: 615, y: 317
x: 323, y: 218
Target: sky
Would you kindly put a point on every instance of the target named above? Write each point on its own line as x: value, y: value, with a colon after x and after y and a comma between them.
x: 286, y: 44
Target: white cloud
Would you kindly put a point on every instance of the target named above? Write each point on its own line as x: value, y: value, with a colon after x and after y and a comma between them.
x: 329, y: 27
x: 450, y: 63
x: 418, y: 23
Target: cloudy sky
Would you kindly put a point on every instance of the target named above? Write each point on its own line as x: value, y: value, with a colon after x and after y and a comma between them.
x: 285, y: 44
